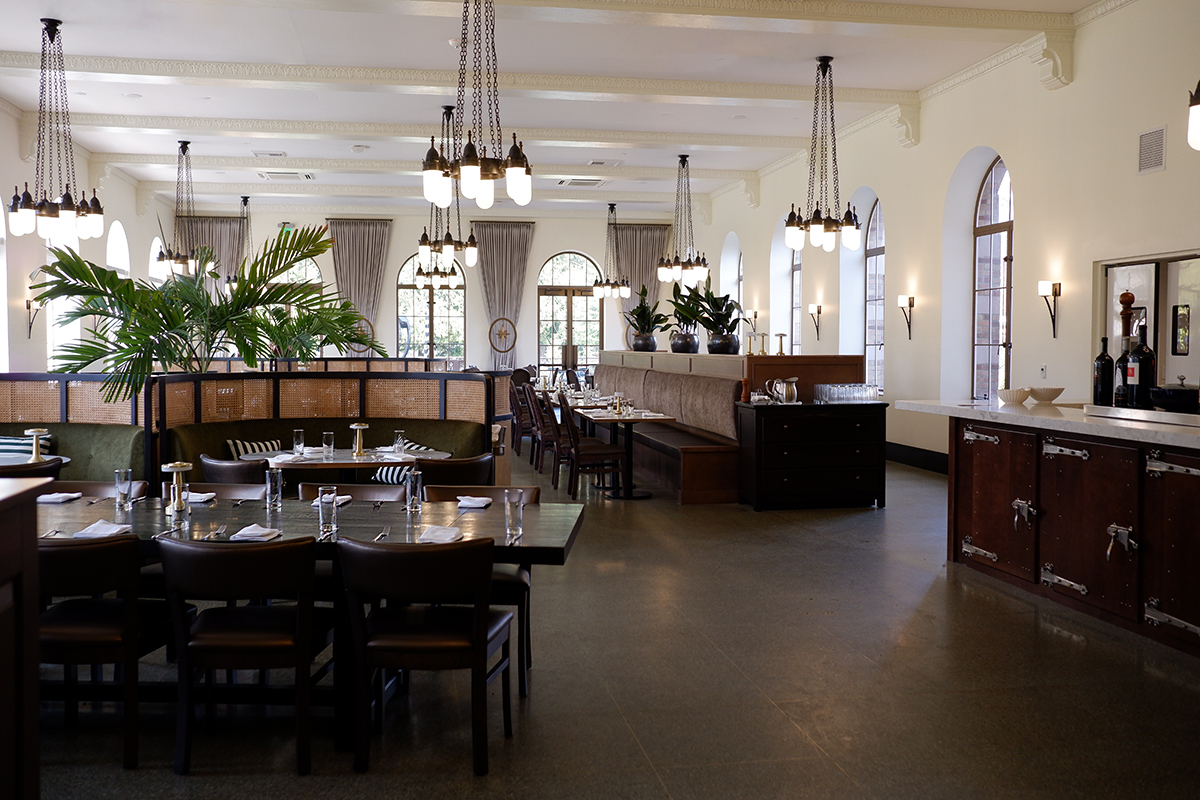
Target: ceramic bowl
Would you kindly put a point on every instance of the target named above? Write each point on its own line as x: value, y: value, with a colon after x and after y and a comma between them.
x: 1045, y: 394
x: 1012, y: 397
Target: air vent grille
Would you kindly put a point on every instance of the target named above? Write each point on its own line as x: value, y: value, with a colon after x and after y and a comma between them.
x: 584, y: 183
x: 269, y: 154
x: 286, y: 176
x: 1151, y: 150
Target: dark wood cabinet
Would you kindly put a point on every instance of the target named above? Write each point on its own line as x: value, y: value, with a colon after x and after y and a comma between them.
x: 1170, y: 544
x: 811, y: 456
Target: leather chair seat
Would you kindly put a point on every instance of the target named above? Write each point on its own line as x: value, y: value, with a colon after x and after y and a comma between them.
x: 80, y: 624
x: 592, y: 450
x: 508, y: 578
x: 429, y: 629
x: 262, y: 629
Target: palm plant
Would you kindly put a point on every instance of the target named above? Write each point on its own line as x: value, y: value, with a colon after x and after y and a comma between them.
x: 187, y: 321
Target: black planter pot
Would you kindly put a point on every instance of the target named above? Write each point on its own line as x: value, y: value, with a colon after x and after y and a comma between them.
x: 645, y: 342
x: 685, y: 343
x: 724, y: 344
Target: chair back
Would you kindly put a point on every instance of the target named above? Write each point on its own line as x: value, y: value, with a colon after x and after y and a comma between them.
x: 535, y: 407
x: 444, y: 494
x: 441, y: 573
x: 519, y: 404
x: 88, y: 566
x: 228, y: 491
x: 39, y: 469
x: 568, y: 422
x: 238, y: 570
x: 520, y: 376
x: 573, y: 379
x: 220, y: 471
x: 553, y: 429
x: 359, y: 491
x: 95, y: 488
x: 475, y: 471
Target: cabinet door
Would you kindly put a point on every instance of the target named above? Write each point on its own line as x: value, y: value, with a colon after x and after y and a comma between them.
x: 1002, y: 465
x: 1088, y: 496
x: 1170, y: 547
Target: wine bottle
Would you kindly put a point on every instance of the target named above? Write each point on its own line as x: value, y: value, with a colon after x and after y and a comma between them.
x: 1102, y: 376
x: 1121, y: 385
x: 1143, y: 372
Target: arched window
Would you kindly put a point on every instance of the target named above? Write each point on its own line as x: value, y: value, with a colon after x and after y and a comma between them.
x: 117, y: 249
x: 874, y: 297
x: 797, y: 302
x: 305, y: 271
x: 568, y: 314
x: 159, y: 271
x: 992, y: 362
x: 59, y: 335
x: 430, y: 323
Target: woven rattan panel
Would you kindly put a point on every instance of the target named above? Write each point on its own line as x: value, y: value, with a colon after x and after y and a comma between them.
x: 309, y: 366
x: 344, y: 366
x: 437, y: 366
x: 466, y: 400
x: 387, y: 366
x: 500, y: 400
x: 411, y: 399
x: 29, y: 401
x: 233, y: 400
x: 322, y: 397
x: 85, y: 403
x: 181, y: 408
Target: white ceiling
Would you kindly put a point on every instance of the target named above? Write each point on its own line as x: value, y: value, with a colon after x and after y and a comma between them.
x: 628, y: 81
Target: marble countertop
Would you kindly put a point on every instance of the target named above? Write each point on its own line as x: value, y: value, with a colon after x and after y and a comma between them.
x: 1064, y: 418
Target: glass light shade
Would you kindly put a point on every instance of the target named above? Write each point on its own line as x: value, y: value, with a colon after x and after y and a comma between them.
x: 95, y: 224
x: 28, y: 218
x: 793, y: 237
x: 47, y: 226
x: 1194, y: 126
x: 664, y: 273
x: 472, y: 254
x: 468, y: 180
x: 83, y: 227
x: 445, y: 191
x: 423, y: 252
x: 852, y: 237
x: 829, y: 241
x: 419, y: 280
x: 676, y: 271
x: 453, y: 278
x: 519, y: 185
x: 812, y: 308
x: 626, y: 290
x: 816, y: 235
x: 429, y: 183
x: 902, y: 301
x: 437, y: 279
x: 1045, y: 288
x: 485, y: 195
x: 596, y: 290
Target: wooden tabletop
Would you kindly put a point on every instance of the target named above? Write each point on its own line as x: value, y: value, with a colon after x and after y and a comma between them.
x: 549, y: 529
x: 343, y: 458
x: 603, y: 416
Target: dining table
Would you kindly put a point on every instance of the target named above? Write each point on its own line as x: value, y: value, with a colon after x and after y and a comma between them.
x: 342, y: 459
x: 627, y: 418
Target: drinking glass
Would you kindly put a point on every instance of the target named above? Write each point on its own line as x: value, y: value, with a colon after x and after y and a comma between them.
x: 398, y: 443
x: 298, y: 441
x: 327, y: 508
x: 274, y: 488
x: 414, y: 490
x: 327, y: 445
x: 179, y: 498
x: 124, y: 480
x: 513, y: 510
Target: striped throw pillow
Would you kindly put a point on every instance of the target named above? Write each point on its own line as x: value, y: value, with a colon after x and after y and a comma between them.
x: 240, y: 448
x: 23, y: 445
x: 398, y: 475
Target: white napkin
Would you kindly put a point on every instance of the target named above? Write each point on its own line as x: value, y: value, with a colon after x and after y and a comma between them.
x: 59, y: 497
x: 342, y: 499
x: 98, y: 530
x: 466, y: 501
x: 201, y: 497
x: 440, y: 534
x: 255, y: 533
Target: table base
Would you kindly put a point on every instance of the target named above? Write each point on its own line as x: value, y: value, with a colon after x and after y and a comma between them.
x: 636, y: 494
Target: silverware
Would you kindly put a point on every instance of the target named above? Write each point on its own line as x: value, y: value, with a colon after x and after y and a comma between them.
x: 50, y: 534
x: 95, y: 500
x: 237, y: 503
x: 375, y: 506
x: 383, y: 534
x: 214, y: 534
x: 138, y: 499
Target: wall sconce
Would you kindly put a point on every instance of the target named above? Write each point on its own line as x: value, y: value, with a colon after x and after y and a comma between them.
x: 1047, y: 290
x: 814, y: 311
x: 1194, y: 118
x: 32, y: 307
x: 905, y: 303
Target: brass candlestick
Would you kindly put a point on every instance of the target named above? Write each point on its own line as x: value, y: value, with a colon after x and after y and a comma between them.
x: 781, y: 335
x: 762, y: 345
x: 37, y: 434
x: 358, y: 428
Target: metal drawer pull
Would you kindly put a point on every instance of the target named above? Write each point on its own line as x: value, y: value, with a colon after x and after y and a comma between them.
x: 1053, y: 450
x: 969, y: 549
x: 1156, y: 468
x: 970, y: 437
x: 1156, y: 617
x: 1050, y: 579
x: 1119, y: 533
x: 1024, y: 509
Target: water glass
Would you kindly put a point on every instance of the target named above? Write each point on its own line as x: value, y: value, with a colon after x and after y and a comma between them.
x: 274, y: 488
x: 179, y: 499
x: 414, y: 490
x: 513, y: 510
x: 124, y: 480
x: 298, y: 441
x: 398, y: 443
x: 327, y: 508
x: 327, y: 445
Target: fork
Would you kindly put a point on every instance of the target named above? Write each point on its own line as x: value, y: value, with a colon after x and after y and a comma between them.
x: 375, y: 506
x: 50, y: 534
x: 214, y: 534
x: 383, y: 534
x: 95, y: 500
x: 237, y: 503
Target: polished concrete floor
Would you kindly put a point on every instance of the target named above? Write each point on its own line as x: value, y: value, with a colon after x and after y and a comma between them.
x: 714, y: 652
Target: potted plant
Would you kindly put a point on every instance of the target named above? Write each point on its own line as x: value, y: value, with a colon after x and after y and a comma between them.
x: 720, y: 316
x: 188, y: 320
x: 687, y: 316
x: 645, y: 321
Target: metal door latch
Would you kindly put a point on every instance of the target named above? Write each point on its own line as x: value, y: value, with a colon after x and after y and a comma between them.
x: 1024, y: 509
x: 1156, y: 617
x: 969, y: 549
x: 970, y: 437
x: 1156, y: 467
x: 1119, y: 533
x: 1050, y: 579
x: 1050, y: 450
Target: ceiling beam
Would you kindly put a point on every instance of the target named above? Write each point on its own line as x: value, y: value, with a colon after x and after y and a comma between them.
x: 326, y: 190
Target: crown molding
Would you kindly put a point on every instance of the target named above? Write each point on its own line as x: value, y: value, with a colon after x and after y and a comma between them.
x: 1095, y: 11
x: 419, y: 212
x: 398, y: 192
x: 10, y: 109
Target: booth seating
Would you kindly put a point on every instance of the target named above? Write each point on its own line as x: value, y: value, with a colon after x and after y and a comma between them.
x: 95, y: 449
x: 697, y: 455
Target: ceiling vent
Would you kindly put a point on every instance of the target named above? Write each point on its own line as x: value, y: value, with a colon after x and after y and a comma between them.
x: 286, y: 176
x: 269, y: 154
x: 607, y: 163
x: 584, y: 183
x: 1151, y: 150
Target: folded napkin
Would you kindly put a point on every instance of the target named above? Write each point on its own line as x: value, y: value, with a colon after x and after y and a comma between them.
x: 201, y: 497
x: 440, y: 534
x: 59, y: 497
x: 342, y: 499
x: 289, y: 457
x: 98, y: 530
x: 255, y: 533
x: 466, y: 501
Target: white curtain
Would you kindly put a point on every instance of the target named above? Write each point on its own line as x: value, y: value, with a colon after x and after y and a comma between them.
x: 503, y: 259
x: 640, y: 247
x: 360, y: 250
x: 225, y: 236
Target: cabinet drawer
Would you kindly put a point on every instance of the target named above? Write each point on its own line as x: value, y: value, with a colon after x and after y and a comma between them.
x: 824, y: 455
x: 787, y: 483
x: 824, y: 428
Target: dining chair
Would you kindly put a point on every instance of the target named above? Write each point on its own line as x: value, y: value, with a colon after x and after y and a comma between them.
x: 277, y: 635
x: 521, y: 422
x: 511, y: 583
x: 436, y: 616
x: 537, y: 439
x: 49, y: 468
x: 474, y: 471
x: 359, y: 491
x: 555, y: 431
x: 218, y: 470
x: 95, y: 488
x: 573, y: 379
x: 520, y: 375
x: 88, y: 628
x: 587, y: 455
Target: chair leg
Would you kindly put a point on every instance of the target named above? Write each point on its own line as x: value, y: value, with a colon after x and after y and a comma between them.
x: 130, y: 682
x: 70, y: 694
x: 523, y: 647
x: 479, y: 754
x: 379, y: 686
x: 362, y: 719
x: 185, y: 719
x: 210, y: 702
x: 303, y: 718
x: 506, y: 691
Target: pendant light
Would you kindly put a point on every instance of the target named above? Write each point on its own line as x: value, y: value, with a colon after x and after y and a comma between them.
x: 441, y: 192
x: 613, y: 284
x: 1193, y: 136
x: 56, y: 213
x: 186, y: 251
x: 823, y: 228
x: 682, y: 262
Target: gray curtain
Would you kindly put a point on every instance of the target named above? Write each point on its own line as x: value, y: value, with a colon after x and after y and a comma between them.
x: 360, y: 250
x: 223, y: 234
x: 503, y: 259
x: 640, y: 247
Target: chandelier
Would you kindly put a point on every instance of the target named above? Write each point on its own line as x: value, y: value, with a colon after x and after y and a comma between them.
x: 682, y: 262
x: 62, y: 216
x: 822, y: 228
x: 469, y: 163
x: 446, y: 244
x: 186, y: 254
x: 612, y: 285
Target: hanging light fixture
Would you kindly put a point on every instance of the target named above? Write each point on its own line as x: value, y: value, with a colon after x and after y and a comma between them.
x: 440, y: 191
x: 1193, y: 118
x: 818, y: 218
x: 186, y: 252
x: 613, y: 285
x: 682, y: 262
x: 469, y: 163
x: 55, y: 166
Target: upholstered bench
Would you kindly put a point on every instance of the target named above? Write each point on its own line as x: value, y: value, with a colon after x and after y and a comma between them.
x: 95, y: 449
